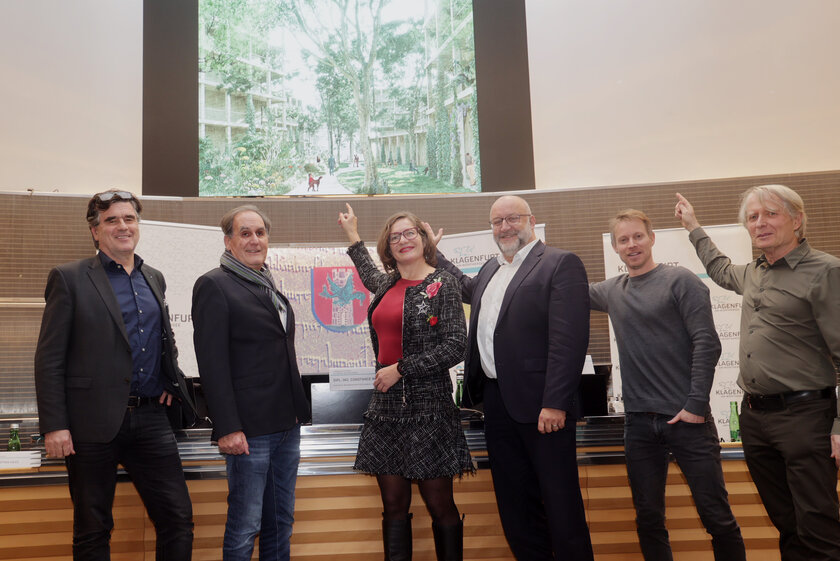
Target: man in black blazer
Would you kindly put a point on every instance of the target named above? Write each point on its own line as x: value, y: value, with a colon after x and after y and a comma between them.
x: 106, y: 372
x: 244, y: 342
x: 529, y: 330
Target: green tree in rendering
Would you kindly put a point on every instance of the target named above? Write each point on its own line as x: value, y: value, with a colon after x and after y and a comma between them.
x: 442, y: 131
x: 350, y: 38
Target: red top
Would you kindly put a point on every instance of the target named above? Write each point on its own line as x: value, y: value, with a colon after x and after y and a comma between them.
x: 387, y: 321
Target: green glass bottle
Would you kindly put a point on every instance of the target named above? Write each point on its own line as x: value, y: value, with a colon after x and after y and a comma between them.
x: 14, y: 438
x: 734, y: 423
x: 459, y: 389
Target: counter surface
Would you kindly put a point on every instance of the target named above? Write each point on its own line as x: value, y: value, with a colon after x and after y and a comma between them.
x: 331, y: 449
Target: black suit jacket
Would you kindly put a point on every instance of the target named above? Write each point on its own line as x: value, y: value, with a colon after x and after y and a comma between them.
x: 246, y: 359
x: 83, y: 361
x: 541, y: 335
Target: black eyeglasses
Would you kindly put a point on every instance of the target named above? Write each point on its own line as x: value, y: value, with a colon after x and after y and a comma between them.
x: 512, y: 219
x: 408, y: 234
x: 108, y: 195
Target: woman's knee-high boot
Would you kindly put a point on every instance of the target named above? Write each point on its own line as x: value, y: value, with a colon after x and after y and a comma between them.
x: 449, y: 541
x: 396, y: 536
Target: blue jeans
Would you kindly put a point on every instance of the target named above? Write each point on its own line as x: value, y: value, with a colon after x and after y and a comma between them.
x: 147, y: 449
x: 261, y: 497
x: 647, y: 440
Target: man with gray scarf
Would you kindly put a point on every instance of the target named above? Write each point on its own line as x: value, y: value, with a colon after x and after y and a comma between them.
x: 244, y: 343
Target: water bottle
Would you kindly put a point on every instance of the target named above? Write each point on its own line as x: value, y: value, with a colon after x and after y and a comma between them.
x: 734, y: 423
x: 14, y: 438
x: 459, y: 389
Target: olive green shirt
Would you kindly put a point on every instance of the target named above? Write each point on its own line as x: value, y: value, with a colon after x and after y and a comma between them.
x: 790, y: 317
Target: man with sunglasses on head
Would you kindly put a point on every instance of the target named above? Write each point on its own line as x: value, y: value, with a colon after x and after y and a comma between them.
x: 529, y: 330
x: 106, y: 374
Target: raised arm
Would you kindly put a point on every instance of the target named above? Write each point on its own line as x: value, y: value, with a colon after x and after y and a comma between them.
x: 717, y: 264
x: 369, y: 273
x: 350, y: 224
x: 685, y: 212
x: 465, y: 282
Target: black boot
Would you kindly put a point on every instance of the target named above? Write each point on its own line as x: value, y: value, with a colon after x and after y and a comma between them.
x: 449, y: 541
x: 396, y: 536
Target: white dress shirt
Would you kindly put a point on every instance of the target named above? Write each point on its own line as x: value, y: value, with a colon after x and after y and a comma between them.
x: 491, y: 304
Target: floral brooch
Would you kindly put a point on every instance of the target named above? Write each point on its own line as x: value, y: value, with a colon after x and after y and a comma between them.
x: 431, y: 291
x: 433, y: 288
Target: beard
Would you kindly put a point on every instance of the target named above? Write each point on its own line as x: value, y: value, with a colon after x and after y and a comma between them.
x: 509, y: 246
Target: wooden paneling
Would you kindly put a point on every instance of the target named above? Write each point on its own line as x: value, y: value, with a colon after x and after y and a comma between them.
x: 338, y: 518
x: 575, y: 220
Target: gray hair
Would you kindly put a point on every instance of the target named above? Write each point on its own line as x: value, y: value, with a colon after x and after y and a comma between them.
x: 790, y: 199
x: 226, y: 223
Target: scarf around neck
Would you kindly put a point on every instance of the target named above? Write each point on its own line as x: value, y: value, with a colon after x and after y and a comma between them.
x: 261, y: 278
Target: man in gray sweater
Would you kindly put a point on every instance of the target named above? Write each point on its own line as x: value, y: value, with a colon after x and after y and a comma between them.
x: 668, y: 349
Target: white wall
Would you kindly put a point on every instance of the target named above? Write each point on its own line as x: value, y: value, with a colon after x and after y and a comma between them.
x: 622, y: 91
x: 72, y: 95
x: 642, y: 91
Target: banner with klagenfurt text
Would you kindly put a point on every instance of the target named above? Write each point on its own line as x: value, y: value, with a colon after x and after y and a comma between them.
x: 674, y: 249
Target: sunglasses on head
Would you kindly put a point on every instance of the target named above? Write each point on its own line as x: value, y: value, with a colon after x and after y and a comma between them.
x: 108, y: 195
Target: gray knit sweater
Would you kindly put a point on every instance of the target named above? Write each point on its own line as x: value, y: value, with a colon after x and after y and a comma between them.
x: 667, y: 342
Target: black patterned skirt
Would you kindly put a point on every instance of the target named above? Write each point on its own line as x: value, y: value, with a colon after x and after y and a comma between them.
x: 421, y: 447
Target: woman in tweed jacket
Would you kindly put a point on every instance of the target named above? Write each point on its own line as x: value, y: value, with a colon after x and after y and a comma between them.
x: 412, y: 428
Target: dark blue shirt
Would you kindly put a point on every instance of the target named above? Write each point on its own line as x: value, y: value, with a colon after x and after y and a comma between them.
x: 141, y: 316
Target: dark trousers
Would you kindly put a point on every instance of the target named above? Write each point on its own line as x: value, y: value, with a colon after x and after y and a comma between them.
x: 146, y: 448
x: 647, y: 440
x: 535, y: 477
x: 788, y: 453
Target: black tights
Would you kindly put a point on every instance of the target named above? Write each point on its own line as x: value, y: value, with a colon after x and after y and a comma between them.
x: 436, y: 493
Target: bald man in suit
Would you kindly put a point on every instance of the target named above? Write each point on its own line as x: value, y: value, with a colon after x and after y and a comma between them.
x: 529, y: 330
